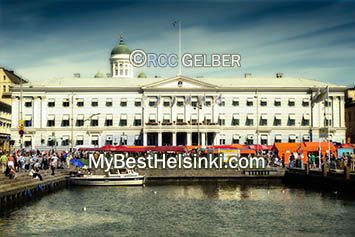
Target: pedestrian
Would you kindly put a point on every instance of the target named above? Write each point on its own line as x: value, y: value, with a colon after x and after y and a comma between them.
x: 3, y: 159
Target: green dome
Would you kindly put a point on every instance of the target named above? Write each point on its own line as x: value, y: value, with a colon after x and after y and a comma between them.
x: 121, y: 48
x: 142, y: 75
x: 98, y: 75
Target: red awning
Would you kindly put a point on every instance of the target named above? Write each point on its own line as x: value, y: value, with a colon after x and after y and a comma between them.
x: 261, y: 147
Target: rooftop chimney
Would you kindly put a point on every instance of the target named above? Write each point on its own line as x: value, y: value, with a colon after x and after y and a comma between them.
x: 279, y: 75
x: 76, y: 75
x: 247, y: 75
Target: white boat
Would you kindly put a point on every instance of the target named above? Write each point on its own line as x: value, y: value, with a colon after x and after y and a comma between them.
x: 119, y: 179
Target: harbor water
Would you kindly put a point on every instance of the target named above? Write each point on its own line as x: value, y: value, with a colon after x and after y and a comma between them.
x: 198, y: 209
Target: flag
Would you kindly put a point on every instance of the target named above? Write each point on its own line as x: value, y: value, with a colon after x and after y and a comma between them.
x: 188, y: 100
x: 175, y: 23
x: 321, y: 95
x: 219, y: 99
x: 158, y: 102
x: 173, y: 101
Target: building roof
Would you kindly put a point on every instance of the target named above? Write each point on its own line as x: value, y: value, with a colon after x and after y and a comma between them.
x: 13, y: 77
x: 216, y: 83
x: 121, y: 48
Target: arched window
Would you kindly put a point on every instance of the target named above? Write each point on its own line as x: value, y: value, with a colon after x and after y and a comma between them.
x: 4, y: 88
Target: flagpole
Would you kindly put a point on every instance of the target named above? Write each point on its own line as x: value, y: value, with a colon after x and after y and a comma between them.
x: 180, y: 48
x: 328, y: 122
x: 319, y: 147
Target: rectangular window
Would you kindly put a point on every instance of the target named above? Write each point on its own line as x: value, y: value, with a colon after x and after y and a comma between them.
x: 194, y: 103
x: 263, y: 141
x: 235, y: 102
x: 152, y: 103
x: 208, y: 103
x: 108, y: 122
x: 79, y: 142
x: 180, y: 103
x: 263, y: 122
x: 123, y: 103
x: 277, y: 103
x: 51, y: 103
x: 80, y: 103
x: 94, y: 123
x: 123, y: 122
x: 277, y: 121
x: 95, y: 103
x: 51, y: 123
x: 291, y: 122
x: 263, y: 102
x: 235, y: 141
x: 327, y: 103
x: 305, y: 103
x: 28, y: 123
x: 249, y: 122
x: 328, y: 122
x: 222, y: 141
x: 221, y: 122
x: 305, y: 122
x: 166, y: 103
x: 65, y: 123
x: 291, y: 102
x: 249, y: 102
x: 95, y: 142
x: 137, y: 122
x: 28, y: 104
x: 235, y: 122
x: 137, y: 103
x: 66, y: 103
x: 250, y: 141
x: 79, y: 122
x: 223, y: 103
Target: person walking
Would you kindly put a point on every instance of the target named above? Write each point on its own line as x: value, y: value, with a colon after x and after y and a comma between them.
x: 3, y: 159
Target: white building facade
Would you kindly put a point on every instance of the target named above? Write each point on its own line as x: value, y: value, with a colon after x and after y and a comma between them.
x: 122, y: 110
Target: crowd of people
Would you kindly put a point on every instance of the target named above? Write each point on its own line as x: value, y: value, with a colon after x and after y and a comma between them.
x: 34, y: 161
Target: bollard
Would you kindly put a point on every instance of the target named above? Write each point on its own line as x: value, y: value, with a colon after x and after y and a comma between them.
x: 347, y: 172
x: 306, y: 166
x: 324, y: 170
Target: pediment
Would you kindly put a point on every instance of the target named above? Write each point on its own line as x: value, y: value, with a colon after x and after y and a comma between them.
x: 180, y: 82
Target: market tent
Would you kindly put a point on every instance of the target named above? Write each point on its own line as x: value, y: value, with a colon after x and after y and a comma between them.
x: 107, y: 148
x: 166, y: 148
x: 314, y: 147
x: 286, y: 149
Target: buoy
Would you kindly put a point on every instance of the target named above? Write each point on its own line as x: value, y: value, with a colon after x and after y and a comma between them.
x: 28, y: 193
x: 155, y: 192
x: 40, y: 188
x: 84, y: 209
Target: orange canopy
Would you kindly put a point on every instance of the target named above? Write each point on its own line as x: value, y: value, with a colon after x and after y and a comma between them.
x: 286, y: 149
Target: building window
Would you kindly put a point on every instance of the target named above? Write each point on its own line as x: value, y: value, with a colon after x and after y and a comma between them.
x: 79, y: 122
x: 208, y: 103
x: 222, y: 141
x: 180, y: 103
x: 137, y: 122
x: 223, y: 103
x: 137, y: 103
x: 152, y: 103
x: 123, y: 103
x: 235, y: 141
x: 278, y: 140
x: 66, y: 103
x: 263, y: 103
x: 327, y: 103
x: 235, y: 122
x: 94, y: 123
x: 166, y: 103
x: 250, y: 141
x: 80, y: 103
x: 305, y: 122
x: 94, y: 103
x: 121, y: 72
x: 221, y: 122
x: 123, y: 122
x: 28, y: 123
x: 235, y: 103
x: 51, y: 103
x: 95, y: 142
x: 126, y: 72
x: 291, y: 103
x: 4, y: 88
x: 291, y: 122
x: 263, y: 122
x: 109, y: 103
x: 277, y: 103
x: 108, y: 122
x: 79, y: 142
x: 51, y: 142
x: 292, y: 139
x: 51, y: 123
x: 263, y: 141
x: 249, y: 103
x: 194, y: 103
x: 327, y: 122
x: 65, y: 123
x: 305, y: 103
x: 28, y: 143
x: 65, y: 142
x: 277, y: 122
x: 249, y: 122
x: 28, y: 104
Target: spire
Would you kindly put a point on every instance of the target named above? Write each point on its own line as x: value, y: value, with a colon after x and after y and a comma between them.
x: 121, y: 39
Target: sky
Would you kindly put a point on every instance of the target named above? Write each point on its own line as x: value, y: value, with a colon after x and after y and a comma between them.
x: 54, y: 39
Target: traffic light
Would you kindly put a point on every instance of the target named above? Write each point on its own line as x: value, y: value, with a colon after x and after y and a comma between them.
x: 21, y: 128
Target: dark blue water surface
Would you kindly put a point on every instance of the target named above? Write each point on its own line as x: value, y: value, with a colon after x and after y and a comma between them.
x: 208, y: 209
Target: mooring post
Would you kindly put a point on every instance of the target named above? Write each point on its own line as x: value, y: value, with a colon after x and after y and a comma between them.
x: 324, y: 170
x: 306, y: 167
x: 346, y: 172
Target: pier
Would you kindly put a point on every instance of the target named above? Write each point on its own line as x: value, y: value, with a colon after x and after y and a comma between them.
x: 25, y: 188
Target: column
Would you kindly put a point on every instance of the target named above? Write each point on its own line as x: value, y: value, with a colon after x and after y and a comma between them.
x: 145, y: 139
x: 203, y: 139
x: 160, y: 139
x: 174, y: 138
x: 36, y: 112
x: 189, y: 141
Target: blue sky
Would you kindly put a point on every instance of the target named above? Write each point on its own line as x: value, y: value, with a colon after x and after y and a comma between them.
x: 54, y: 39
